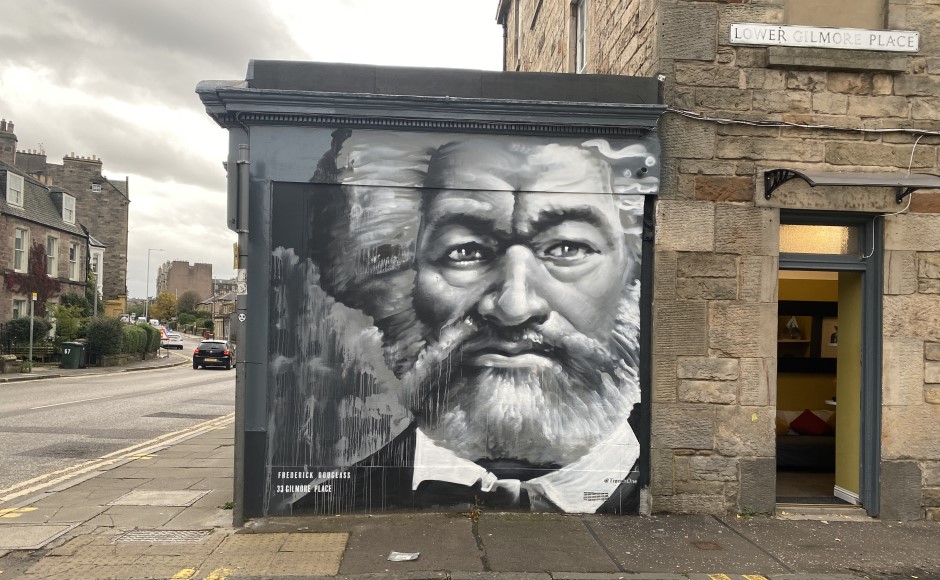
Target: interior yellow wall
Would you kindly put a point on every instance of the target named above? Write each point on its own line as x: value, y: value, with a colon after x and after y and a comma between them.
x: 811, y: 290
x: 798, y: 391
x: 848, y: 387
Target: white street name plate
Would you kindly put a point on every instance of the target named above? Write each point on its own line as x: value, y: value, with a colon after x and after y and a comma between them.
x: 816, y: 37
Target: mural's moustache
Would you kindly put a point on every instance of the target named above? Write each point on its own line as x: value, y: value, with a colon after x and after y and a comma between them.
x: 471, y: 335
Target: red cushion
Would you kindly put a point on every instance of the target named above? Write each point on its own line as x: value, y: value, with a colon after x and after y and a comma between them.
x: 809, y: 424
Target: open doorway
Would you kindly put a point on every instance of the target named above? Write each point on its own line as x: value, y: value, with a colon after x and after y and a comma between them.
x: 828, y: 361
x: 819, y: 338
x: 807, y: 380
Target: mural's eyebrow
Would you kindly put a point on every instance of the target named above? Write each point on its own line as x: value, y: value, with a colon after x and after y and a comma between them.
x: 472, y: 222
x: 549, y: 218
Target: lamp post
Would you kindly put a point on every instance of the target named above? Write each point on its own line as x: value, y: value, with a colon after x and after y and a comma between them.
x: 147, y: 303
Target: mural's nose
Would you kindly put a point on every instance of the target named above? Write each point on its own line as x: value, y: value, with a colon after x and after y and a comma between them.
x: 515, y: 299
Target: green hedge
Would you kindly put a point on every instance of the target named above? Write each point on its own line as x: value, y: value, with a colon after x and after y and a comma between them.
x: 153, y: 337
x: 105, y: 336
x: 19, y: 330
x: 135, y: 339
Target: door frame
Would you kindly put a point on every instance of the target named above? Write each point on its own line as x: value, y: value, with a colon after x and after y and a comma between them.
x: 870, y: 263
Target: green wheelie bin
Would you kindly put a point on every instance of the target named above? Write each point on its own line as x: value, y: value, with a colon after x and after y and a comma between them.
x: 73, y: 355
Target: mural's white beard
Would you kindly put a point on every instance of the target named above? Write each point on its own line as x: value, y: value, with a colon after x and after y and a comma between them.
x: 540, y: 416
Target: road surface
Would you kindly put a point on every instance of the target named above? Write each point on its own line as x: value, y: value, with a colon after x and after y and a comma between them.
x: 53, y: 425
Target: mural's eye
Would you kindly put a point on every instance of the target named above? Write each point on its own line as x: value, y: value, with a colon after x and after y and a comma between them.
x: 467, y: 254
x: 569, y: 251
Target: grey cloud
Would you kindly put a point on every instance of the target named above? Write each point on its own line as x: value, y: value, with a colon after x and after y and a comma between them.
x: 142, y: 50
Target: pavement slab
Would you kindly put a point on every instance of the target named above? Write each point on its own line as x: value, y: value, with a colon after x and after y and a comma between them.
x: 680, y: 544
x: 196, y: 518
x: 76, y: 514
x: 160, y: 497
x: 445, y: 541
x: 170, y: 483
x: 215, y: 499
x: 30, y: 536
x: 135, y: 516
x: 515, y: 542
x: 819, y: 547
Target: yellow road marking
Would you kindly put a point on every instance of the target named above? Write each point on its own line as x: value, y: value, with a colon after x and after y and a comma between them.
x: 145, y: 448
x: 754, y: 577
x: 719, y: 577
x: 185, y: 574
x: 16, y: 512
x: 142, y: 456
x: 219, y: 574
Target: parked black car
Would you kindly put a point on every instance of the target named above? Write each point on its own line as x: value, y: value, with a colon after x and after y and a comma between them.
x: 214, y: 353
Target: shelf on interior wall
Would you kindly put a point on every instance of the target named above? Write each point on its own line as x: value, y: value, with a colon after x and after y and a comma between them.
x: 800, y: 364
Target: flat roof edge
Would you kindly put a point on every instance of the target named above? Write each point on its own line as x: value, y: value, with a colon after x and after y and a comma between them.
x: 467, y: 83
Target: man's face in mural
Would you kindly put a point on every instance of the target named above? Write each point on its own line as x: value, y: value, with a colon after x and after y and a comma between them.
x: 521, y: 293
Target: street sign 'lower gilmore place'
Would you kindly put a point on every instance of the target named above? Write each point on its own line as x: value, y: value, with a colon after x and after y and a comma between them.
x: 818, y: 37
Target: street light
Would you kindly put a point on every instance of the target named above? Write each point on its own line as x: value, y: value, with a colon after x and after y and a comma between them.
x: 147, y: 303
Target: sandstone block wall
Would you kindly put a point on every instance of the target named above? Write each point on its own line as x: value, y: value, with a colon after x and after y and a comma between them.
x: 38, y: 234
x: 713, y: 356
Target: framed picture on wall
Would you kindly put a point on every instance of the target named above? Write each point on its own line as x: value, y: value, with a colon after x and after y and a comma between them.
x: 830, y: 337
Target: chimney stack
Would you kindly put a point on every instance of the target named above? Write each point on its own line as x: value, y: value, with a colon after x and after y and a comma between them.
x: 7, y: 142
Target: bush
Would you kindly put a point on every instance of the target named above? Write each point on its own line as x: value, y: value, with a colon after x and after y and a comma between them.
x: 19, y: 330
x: 134, y: 339
x: 105, y: 336
x: 153, y: 337
x: 68, y: 322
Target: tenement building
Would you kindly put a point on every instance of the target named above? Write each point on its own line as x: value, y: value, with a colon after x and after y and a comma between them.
x: 177, y: 277
x: 795, y: 349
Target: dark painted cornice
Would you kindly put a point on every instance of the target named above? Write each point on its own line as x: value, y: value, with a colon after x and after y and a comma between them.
x: 331, y: 95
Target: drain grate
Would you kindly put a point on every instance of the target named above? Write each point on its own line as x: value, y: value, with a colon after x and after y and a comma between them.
x: 163, y: 536
x: 706, y: 545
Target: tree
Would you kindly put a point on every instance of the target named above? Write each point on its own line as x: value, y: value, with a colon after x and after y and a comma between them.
x: 34, y: 280
x: 188, y: 301
x: 164, y: 307
x: 79, y: 301
x: 68, y: 320
x: 91, y: 288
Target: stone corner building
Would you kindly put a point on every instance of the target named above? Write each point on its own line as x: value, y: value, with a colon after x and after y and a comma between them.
x: 797, y: 252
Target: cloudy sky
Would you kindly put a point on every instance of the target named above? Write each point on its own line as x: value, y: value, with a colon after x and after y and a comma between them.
x: 117, y: 78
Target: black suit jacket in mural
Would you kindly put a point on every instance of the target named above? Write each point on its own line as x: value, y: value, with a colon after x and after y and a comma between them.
x: 383, y: 482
